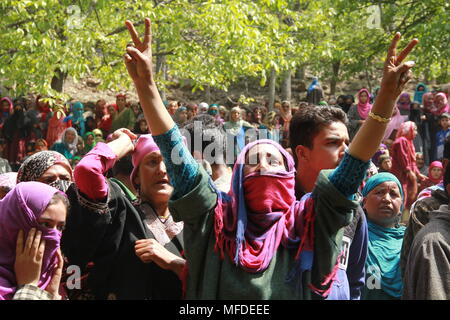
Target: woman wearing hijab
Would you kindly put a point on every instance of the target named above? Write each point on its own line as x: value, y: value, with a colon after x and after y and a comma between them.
x: 258, y: 241
x: 435, y: 175
x: 31, y: 208
x: 68, y: 144
x: 98, y: 135
x: 441, y: 103
x: 105, y: 122
x: 358, y: 113
x: 56, y: 127
x: 76, y: 120
x: 15, y: 134
x: 124, y: 118
x: 181, y: 116
x: 213, y: 110
x: 121, y: 234
x: 285, y: 120
x: 49, y: 167
x: 6, y: 110
x: 89, y: 142
x: 383, y: 205
x: 404, y: 104
x: 421, y: 89
x: 429, y: 126
x: 235, y: 129
x: 404, y: 165
x: 314, y: 93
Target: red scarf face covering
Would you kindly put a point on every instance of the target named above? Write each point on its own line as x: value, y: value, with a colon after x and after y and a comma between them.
x: 261, y: 212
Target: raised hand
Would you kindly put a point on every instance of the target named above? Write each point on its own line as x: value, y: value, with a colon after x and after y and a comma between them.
x: 138, y: 57
x: 396, y: 73
x: 53, y: 286
x: 28, y: 264
x: 122, y: 142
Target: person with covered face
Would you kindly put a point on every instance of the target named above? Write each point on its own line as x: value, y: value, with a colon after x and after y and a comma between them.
x: 131, y: 244
x: 76, y: 119
x: 258, y: 241
x: 32, y: 217
x: 383, y: 205
x: 15, y: 134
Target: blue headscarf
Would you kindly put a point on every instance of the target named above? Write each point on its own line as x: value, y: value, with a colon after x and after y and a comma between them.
x: 385, y: 244
x: 77, y: 117
x: 313, y: 84
x: 378, y: 179
x: 419, y: 94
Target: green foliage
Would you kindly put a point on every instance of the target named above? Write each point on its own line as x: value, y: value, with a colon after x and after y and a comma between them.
x: 211, y: 43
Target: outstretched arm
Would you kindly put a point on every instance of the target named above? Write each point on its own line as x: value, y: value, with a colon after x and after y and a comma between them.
x: 139, y: 65
x: 138, y: 60
x: 395, y: 76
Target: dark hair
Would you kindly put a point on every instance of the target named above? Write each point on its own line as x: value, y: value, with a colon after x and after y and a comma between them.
x: 123, y: 166
x: 57, y: 197
x: 214, y: 132
x: 307, y: 123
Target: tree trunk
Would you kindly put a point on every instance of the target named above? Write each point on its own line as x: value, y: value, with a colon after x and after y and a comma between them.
x: 301, y: 73
x: 208, y: 94
x: 58, y: 80
x: 336, y: 66
x: 272, y: 82
x: 368, y: 80
x: 161, y: 68
x: 286, y: 88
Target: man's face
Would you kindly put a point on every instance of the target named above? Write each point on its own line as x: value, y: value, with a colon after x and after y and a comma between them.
x: 419, y: 161
x: 327, y: 150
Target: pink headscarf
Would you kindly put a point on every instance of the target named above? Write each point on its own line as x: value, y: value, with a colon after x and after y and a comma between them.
x: 20, y: 210
x: 11, y: 105
x: 406, y: 131
x: 364, y: 108
x: 440, y: 107
x: 144, y: 145
x: 435, y: 164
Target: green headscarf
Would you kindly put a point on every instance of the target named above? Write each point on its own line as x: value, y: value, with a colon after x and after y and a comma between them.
x: 384, y: 246
x: 88, y: 147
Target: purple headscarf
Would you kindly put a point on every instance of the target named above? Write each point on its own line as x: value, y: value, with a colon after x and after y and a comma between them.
x: 20, y: 210
x: 404, y: 105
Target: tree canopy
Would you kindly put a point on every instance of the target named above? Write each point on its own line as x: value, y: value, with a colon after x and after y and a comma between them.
x: 213, y: 43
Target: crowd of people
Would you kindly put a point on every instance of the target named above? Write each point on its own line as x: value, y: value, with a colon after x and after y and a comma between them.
x: 337, y: 199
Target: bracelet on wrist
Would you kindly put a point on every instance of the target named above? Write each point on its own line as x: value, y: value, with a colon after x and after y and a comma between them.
x: 378, y: 118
